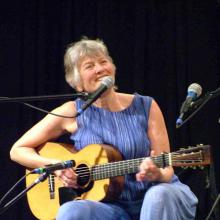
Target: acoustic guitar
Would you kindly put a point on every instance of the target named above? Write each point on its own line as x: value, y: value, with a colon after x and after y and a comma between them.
x: 100, y: 170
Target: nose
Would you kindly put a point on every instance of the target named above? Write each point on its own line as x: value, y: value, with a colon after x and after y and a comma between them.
x: 98, y: 68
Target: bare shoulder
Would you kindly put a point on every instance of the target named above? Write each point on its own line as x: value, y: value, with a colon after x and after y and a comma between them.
x: 125, y: 95
x: 65, y: 116
x: 155, y: 109
x: 68, y: 108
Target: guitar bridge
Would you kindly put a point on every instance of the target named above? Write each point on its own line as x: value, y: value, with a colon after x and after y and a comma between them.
x: 51, y: 184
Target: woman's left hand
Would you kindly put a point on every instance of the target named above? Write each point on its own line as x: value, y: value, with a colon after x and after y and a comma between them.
x: 148, y: 171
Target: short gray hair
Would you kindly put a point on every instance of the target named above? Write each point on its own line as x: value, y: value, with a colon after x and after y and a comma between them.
x: 74, y: 54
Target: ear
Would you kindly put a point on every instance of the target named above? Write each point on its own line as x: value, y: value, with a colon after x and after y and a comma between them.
x: 79, y: 88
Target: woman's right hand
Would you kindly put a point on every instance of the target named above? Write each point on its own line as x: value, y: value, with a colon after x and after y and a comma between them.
x: 68, y: 177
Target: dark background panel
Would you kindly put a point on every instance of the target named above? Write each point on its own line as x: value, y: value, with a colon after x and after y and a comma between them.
x: 159, y: 47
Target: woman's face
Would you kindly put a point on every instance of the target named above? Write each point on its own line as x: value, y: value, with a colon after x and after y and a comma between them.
x: 92, y: 69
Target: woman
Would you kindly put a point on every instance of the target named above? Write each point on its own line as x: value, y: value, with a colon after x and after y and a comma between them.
x: 131, y: 123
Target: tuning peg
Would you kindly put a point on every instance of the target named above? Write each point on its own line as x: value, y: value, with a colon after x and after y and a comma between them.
x: 201, y: 167
x: 199, y: 145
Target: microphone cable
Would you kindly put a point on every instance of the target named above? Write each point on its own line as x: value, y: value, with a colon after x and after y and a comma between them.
x: 13, y: 187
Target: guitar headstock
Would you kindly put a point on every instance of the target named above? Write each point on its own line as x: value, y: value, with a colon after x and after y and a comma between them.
x: 199, y: 155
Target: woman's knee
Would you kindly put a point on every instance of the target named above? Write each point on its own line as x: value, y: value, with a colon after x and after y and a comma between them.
x: 158, y: 203
x: 74, y: 210
x: 168, y: 201
x: 159, y: 193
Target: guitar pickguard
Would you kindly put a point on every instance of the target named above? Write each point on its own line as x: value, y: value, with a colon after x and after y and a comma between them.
x: 67, y: 194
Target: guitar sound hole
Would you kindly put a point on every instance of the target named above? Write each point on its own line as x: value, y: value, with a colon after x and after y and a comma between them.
x: 83, y: 174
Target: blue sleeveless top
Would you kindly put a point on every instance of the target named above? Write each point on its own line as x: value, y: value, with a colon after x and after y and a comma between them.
x: 125, y: 130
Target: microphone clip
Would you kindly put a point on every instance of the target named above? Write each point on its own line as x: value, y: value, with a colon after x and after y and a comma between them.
x: 84, y: 96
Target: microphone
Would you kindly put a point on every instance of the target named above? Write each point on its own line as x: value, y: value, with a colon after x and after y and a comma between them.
x: 53, y: 167
x: 193, y: 92
x: 107, y: 82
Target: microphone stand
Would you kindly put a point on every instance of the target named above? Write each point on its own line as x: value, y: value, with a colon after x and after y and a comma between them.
x: 24, y: 100
x: 41, y: 178
x: 198, y: 104
x: 200, y: 101
x: 81, y: 95
x: 213, y: 207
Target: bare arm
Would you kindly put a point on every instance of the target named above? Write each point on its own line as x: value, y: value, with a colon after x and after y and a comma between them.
x: 49, y: 128
x: 158, y: 136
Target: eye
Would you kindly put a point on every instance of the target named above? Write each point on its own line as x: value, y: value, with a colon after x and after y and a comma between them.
x: 103, y: 61
x: 88, y: 66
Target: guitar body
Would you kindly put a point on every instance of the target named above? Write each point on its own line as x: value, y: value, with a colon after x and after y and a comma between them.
x: 45, y: 208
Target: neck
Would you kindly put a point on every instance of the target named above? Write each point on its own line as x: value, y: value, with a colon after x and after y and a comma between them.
x: 109, y: 100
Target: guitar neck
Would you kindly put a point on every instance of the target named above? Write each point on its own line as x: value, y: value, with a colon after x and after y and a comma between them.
x: 122, y: 168
x: 196, y: 156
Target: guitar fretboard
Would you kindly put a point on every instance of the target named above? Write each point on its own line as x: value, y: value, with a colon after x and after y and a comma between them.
x: 121, y: 168
x: 182, y: 158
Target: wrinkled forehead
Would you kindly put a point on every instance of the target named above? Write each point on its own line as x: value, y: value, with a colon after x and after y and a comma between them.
x: 91, y: 57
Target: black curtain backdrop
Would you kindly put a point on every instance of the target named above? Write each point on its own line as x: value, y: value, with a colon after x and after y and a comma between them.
x: 159, y: 47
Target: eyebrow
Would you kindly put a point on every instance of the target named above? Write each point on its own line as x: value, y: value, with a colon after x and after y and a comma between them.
x: 87, y: 62
x: 91, y: 61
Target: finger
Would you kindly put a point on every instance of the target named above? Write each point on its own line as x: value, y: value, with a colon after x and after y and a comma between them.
x: 66, y: 175
x: 70, y: 173
x: 72, y: 176
x: 140, y: 177
x: 73, y: 185
x: 152, y: 153
x: 150, y: 163
x: 69, y: 182
x: 146, y: 164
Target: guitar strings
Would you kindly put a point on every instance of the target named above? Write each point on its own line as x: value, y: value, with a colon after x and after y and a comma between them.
x: 128, y: 162
x: 157, y: 159
x: 124, y: 166
x: 128, y: 165
x: 100, y: 170
x: 103, y: 172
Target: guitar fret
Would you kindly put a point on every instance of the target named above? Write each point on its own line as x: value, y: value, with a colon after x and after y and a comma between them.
x: 113, y: 169
x: 170, y: 159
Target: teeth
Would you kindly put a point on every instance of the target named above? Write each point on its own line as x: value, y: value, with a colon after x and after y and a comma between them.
x: 101, y: 78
